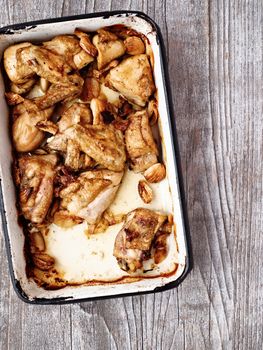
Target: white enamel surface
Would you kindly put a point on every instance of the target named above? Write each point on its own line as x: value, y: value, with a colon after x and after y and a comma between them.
x: 75, y: 242
x: 81, y: 257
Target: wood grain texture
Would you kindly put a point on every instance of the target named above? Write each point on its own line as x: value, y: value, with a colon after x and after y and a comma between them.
x: 215, y: 55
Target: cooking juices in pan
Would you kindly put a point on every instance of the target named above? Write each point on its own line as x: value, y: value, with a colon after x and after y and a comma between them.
x: 87, y: 167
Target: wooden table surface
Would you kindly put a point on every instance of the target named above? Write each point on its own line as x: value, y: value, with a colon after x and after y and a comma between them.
x: 215, y: 56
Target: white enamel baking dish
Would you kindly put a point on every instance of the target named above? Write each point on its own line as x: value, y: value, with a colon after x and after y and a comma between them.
x: 14, y: 237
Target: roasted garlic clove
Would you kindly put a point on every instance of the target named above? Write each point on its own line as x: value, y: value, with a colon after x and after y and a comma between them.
x: 155, y: 173
x: 153, y: 111
x: 26, y: 136
x: 91, y: 89
x: 145, y: 191
x: 134, y: 45
x: 44, y: 84
x: 82, y: 59
x: 97, y: 107
x: 37, y: 242
x: 43, y: 261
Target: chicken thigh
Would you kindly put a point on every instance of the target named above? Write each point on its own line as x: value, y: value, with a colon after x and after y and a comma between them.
x: 133, y: 79
x: 141, y: 147
x: 35, y: 179
x: 133, y: 242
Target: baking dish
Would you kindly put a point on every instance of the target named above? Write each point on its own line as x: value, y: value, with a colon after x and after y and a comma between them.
x: 27, y: 289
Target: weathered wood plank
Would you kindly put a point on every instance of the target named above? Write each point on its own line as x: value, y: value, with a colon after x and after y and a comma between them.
x: 214, y: 51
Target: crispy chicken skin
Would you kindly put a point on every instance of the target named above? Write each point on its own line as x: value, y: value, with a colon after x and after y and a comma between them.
x: 91, y: 194
x: 133, y: 79
x: 103, y: 143
x: 36, y: 176
x: 133, y: 242
x: 141, y: 148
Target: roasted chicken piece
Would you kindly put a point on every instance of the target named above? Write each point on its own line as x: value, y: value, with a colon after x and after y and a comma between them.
x: 91, y: 194
x: 103, y: 143
x: 26, y: 115
x: 133, y: 79
x: 46, y: 64
x: 35, y: 178
x: 109, y: 47
x: 17, y: 72
x: 133, y: 242
x: 77, y: 113
x: 68, y: 47
x: 141, y: 148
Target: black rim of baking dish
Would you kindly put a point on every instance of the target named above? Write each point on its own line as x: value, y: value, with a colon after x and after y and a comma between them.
x: 9, y: 30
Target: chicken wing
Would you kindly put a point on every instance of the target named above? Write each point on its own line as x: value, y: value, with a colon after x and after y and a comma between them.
x: 58, y: 92
x: 35, y: 180
x: 91, y: 194
x: 133, y: 242
x: 141, y: 147
x: 103, y: 143
x: 133, y: 79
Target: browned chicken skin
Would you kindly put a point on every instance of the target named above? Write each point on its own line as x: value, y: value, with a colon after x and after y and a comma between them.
x: 141, y: 147
x: 133, y: 79
x: 133, y: 242
x: 103, y: 143
x: 36, y: 176
x: 91, y: 194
